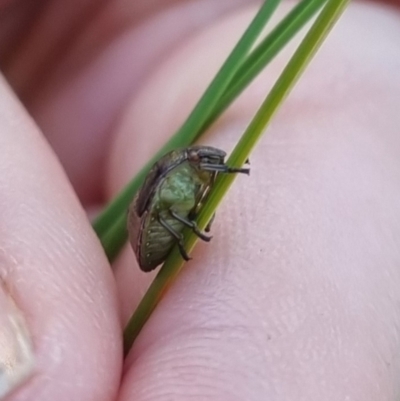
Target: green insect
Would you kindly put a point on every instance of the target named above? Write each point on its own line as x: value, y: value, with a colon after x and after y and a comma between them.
x: 169, y: 200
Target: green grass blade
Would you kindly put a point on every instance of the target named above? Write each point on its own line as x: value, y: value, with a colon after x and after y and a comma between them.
x: 279, y: 92
x: 266, y: 51
x: 111, y: 220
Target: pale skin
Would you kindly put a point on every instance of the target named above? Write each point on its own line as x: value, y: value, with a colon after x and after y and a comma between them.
x: 297, y: 296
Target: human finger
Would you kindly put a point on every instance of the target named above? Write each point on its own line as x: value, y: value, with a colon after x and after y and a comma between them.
x: 58, y: 295
x: 295, y: 297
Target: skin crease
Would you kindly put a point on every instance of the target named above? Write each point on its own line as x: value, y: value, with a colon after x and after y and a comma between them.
x: 295, y: 298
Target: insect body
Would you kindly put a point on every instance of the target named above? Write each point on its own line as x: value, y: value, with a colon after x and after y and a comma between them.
x: 169, y: 199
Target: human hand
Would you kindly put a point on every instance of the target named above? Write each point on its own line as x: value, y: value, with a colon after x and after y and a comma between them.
x: 296, y: 297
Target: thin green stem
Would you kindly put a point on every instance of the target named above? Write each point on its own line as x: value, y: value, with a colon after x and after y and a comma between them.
x: 266, y: 51
x: 279, y: 92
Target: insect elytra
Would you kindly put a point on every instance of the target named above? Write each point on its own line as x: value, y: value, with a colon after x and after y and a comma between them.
x: 170, y: 198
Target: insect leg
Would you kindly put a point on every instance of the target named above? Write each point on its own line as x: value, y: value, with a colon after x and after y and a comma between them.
x: 208, y: 227
x: 177, y: 236
x: 223, y: 168
x: 191, y: 224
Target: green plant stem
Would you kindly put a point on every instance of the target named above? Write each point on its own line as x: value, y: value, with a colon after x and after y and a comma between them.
x: 111, y: 217
x: 265, y: 52
x: 279, y: 92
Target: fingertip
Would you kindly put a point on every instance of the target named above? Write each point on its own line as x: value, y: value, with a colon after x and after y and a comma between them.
x: 56, y: 269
